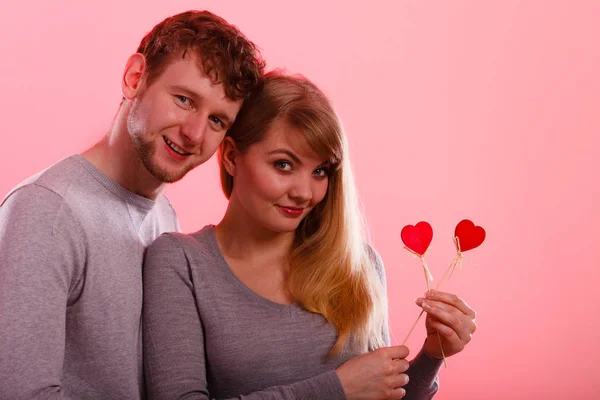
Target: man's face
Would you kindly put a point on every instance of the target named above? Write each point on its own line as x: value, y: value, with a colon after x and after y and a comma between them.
x: 178, y: 122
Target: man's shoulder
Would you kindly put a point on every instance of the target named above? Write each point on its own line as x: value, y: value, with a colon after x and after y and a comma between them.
x: 52, y: 183
x: 163, y: 205
x: 36, y: 208
x: 47, y: 198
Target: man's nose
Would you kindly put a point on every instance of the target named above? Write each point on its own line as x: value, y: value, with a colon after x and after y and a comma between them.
x: 194, y: 128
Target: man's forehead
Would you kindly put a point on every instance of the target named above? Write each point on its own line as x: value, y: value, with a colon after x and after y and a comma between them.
x: 187, y: 73
x: 183, y: 68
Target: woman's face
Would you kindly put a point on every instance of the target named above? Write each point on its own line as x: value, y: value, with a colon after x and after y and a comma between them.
x: 279, y: 180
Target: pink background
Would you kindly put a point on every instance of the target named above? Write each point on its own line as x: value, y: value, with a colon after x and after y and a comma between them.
x: 479, y: 109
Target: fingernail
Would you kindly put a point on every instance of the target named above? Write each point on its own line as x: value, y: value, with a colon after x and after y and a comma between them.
x: 418, y: 301
x: 430, y: 294
x: 426, y: 306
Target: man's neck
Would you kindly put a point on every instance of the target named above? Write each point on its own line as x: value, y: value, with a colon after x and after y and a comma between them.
x: 116, y: 157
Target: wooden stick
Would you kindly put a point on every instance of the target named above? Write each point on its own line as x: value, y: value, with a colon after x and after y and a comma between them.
x: 438, y: 335
x: 413, y: 327
x: 428, y: 276
x: 442, y: 349
x: 457, y: 259
x: 446, y: 273
x: 425, y: 270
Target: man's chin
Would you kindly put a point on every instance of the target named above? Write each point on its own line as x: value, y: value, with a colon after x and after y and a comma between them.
x: 165, y: 175
x: 168, y: 177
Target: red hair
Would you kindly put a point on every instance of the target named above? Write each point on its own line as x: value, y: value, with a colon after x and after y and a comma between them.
x: 225, y: 54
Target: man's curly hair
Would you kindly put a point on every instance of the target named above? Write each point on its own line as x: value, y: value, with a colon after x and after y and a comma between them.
x: 225, y: 54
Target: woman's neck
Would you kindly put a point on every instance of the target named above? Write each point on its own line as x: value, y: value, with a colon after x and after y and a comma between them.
x: 257, y: 256
x: 241, y: 237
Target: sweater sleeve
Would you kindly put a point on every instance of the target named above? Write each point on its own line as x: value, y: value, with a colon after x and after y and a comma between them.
x: 423, y: 371
x: 174, y: 352
x: 40, y: 264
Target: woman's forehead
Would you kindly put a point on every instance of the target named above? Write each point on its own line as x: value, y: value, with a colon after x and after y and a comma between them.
x: 282, y: 135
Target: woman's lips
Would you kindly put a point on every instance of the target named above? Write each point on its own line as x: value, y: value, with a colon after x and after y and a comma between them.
x: 291, y: 211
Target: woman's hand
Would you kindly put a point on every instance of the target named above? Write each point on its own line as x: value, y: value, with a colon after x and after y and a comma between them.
x: 378, y: 375
x: 449, y: 315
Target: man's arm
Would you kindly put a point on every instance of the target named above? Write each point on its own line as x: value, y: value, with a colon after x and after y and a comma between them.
x: 40, y: 251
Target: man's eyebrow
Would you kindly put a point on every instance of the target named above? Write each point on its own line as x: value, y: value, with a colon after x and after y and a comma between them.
x: 187, y: 91
x: 288, y: 153
x: 223, y: 117
x: 227, y: 120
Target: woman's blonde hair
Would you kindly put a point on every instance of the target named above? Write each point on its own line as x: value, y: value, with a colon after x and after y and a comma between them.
x: 332, y: 269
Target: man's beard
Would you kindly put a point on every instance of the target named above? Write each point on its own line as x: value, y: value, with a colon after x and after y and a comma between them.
x: 146, y: 150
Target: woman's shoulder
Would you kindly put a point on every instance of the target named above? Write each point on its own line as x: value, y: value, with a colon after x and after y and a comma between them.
x: 374, y: 256
x: 177, y: 242
x: 376, y: 261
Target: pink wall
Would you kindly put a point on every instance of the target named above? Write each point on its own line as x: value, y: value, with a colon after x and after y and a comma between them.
x: 486, y: 110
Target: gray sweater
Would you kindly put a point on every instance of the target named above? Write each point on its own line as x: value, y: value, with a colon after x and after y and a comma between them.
x: 207, y: 335
x: 71, y: 250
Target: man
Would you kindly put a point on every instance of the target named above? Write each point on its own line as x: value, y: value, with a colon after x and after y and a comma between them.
x: 72, y: 237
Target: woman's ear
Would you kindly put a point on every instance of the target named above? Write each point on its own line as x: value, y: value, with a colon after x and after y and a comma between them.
x: 228, y: 155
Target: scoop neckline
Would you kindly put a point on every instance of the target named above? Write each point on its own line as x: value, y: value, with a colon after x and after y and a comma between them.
x: 251, y: 293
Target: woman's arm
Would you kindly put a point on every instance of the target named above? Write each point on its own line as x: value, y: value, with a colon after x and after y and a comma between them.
x: 423, y: 371
x: 174, y: 353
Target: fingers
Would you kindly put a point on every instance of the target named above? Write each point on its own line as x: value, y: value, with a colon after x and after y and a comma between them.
x: 451, y: 317
x: 397, y: 393
x: 395, y: 352
x: 449, y: 303
x: 452, y: 300
x: 449, y: 333
x: 400, y: 393
x: 449, y: 324
x: 394, y: 389
x: 397, y: 380
x: 394, y: 371
x: 400, y: 365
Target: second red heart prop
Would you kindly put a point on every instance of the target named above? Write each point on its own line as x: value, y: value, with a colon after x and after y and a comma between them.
x: 469, y: 235
x: 418, y: 237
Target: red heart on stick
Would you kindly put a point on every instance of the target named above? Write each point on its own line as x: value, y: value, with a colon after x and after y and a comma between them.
x: 469, y: 235
x: 418, y: 237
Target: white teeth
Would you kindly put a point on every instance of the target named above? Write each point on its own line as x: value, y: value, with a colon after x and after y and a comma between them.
x: 175, y: 148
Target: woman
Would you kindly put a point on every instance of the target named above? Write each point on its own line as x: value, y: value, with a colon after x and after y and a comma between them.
x: 283, y: 299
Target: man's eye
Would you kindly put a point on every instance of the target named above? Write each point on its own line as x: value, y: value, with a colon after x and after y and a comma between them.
x: 216, y: 121
x: 184, y: 100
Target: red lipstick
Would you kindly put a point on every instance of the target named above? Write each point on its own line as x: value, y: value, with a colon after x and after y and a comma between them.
x: 293, y: 212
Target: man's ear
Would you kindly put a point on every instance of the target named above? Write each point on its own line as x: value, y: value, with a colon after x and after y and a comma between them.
x: 132, y: 83
x: 228, y: 155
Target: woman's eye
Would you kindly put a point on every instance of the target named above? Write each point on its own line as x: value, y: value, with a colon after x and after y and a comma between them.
x: 283, y: 165
x: 321, y: 172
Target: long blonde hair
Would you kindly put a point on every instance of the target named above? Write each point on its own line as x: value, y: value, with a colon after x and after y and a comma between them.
x: 332, y: 270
